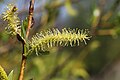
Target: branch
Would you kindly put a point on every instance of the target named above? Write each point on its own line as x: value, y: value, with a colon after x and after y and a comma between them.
x: 24, y: 58
x: 21, y: 75
x: 102, y: 19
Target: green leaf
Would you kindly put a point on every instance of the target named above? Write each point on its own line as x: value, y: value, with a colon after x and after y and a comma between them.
x: 24, y: 27
x: 10, y: 76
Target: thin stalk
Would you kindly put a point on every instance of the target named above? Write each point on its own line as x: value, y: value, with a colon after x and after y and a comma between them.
x: 23, y: 63
x: 109, y: 14
x: 30, y: 17
x: 24, y: 58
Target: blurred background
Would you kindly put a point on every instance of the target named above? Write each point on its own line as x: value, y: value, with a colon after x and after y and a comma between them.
x: 98, y: 60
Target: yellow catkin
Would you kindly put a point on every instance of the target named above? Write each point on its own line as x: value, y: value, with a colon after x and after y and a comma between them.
x: 53, y: 37
x: 11, y: 16
x: 3, y: 75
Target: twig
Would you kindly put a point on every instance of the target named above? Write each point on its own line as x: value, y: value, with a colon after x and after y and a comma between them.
x: 21, y: 75
x: 103, y: 18
x: 30, y: 17
x: 97, y: 20
x: 24, y: 58
x: 106, y: 32
x: 111, y: 11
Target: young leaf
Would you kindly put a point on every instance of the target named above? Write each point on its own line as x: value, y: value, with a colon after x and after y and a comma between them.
x: 10, y: 76
x: 24, y: 27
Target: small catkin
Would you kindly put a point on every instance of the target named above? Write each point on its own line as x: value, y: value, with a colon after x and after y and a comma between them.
x: 53, y: 37
x: 11, y: 16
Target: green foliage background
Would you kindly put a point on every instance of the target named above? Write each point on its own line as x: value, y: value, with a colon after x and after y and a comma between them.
x: 97, y: 60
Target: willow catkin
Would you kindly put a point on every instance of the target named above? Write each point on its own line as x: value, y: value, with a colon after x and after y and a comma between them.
x: 3, y: 75
x: 53, y: 37
x: 11, y: 16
